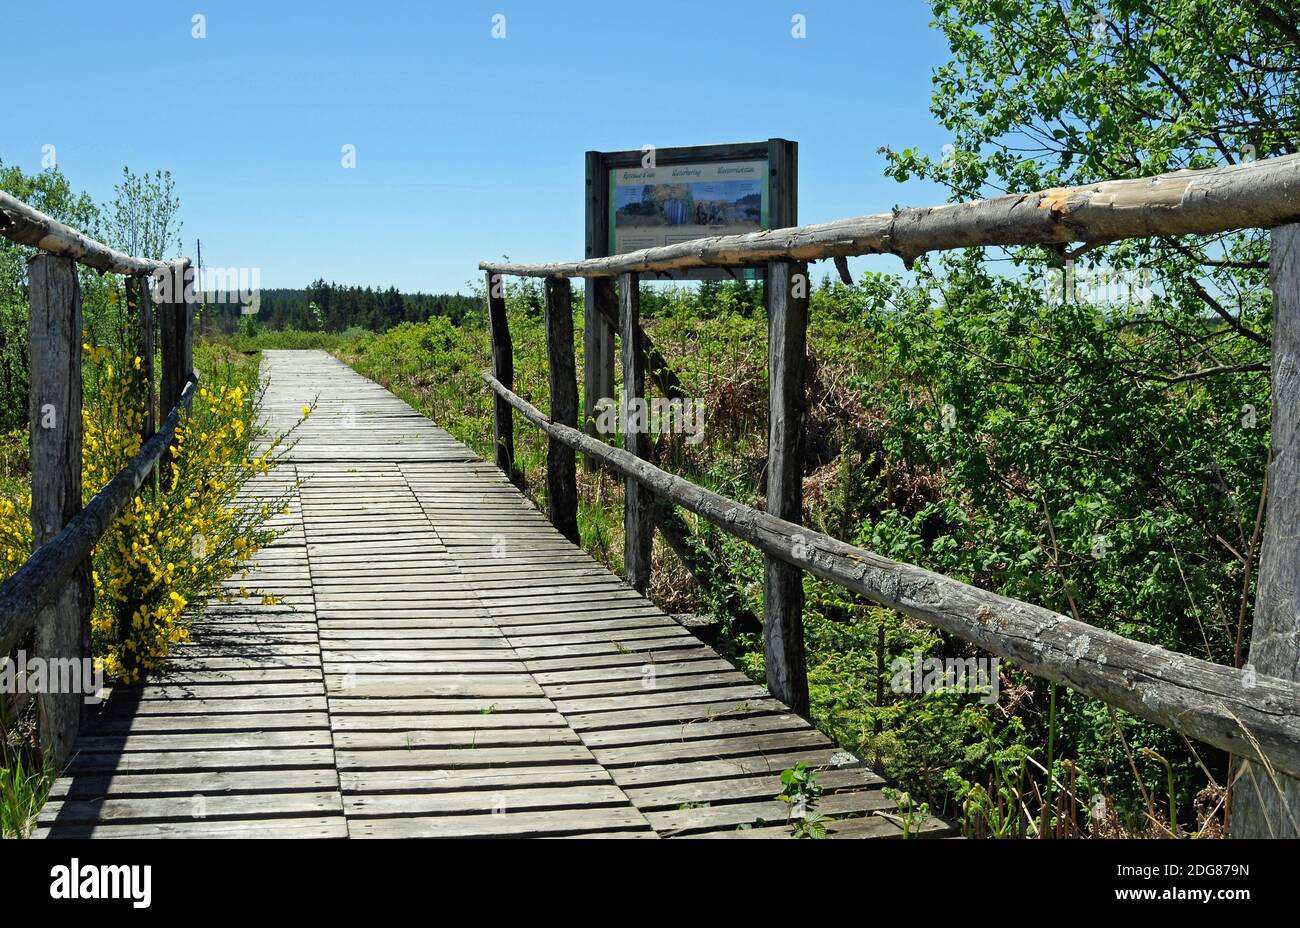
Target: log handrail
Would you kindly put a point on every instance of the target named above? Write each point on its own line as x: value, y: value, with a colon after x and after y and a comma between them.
x: 34, y: 584
x: 1253, y: 712
x: 27, y: 225
x: 1252, y: 716
x: 1252, y: 195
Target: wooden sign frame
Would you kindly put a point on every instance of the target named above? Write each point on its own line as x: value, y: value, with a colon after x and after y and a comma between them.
x: 780, y: 155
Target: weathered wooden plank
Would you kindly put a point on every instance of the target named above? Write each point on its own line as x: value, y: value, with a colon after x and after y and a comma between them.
x: 518, y: 824
x: 711, y: 818
x: 750, y: 788
x: 261, y: 827
x: 517, y: 796
x: 112, y: 810
x: 208, y: 783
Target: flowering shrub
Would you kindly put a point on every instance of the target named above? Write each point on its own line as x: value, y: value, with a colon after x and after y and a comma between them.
x: 186, y: 529
x: 176, y: 542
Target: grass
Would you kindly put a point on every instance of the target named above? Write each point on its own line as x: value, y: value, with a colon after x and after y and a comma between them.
x: 23, y: 791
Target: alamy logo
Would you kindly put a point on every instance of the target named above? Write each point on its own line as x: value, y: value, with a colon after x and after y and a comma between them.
x: 103, y: 881
x: 658, y: 414
x: 920, y: 674
x: 215, y: 285
x: 23, y: 674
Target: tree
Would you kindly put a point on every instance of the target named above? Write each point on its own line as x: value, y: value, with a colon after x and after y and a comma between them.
x: 1043, y: 93
x: 141, y: 220
x: 49, y: 192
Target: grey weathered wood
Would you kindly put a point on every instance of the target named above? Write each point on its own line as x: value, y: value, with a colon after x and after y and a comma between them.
x: 503, y: 366
x: 1255, y: 194
x: 783, y: 647
x: 29, y: 226
x: 63, y: 620
x: 174, y: 316
x: 1210, y: 702
x: 597, y: 218
x: 561, y: 473
x: 44, y: 574
x: 140, y: 311
x: 599, y: 303
x: 638, y: 501
x: 783, y: 173
x: 1266, y: 804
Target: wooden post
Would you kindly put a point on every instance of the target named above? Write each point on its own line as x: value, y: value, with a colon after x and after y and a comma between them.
x: 787, y: 333
x: 561, y: 475
x: 638, y: 501
x: 139, y: 308
x: 177, y: 359
x: 62, y: 627
x: 600, y: 306
x: 503, y: 369
x: 783, y: 173
x: 599, y: 303
x: 1267, y: 805
x: 139, y: 311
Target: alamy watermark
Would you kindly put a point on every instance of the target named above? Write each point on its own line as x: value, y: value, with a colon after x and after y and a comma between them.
x: 213, y: 285
x: 652, y: 416
x: 1099, y: 286
x: 917, y: 673
x: 75, y: 880
x: 36, y: 675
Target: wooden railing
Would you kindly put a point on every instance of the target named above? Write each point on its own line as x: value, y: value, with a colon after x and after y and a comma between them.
x: 1253, y: 713
x: 51, y: 594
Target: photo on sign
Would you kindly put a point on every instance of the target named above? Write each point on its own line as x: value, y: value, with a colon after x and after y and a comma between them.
x: 650, y: 207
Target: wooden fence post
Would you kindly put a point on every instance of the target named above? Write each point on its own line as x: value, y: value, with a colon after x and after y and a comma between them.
x: 561, y: 474
x: 638, y: 501
x: 139, y: 308
x: 599, y: 303
x: 175, y: 338
x: 1264, y: 804
x: 787, y: 334
x: 503, y: 369
x: 139, y: 312
x: 63, y: 627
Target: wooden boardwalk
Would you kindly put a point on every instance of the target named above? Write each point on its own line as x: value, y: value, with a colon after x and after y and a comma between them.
x: 443, y: 663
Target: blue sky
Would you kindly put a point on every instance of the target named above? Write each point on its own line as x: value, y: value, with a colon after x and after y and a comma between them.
x: 467, y: 147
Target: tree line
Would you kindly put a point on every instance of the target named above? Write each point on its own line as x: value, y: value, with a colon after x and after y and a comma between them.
x: 330, y: 307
